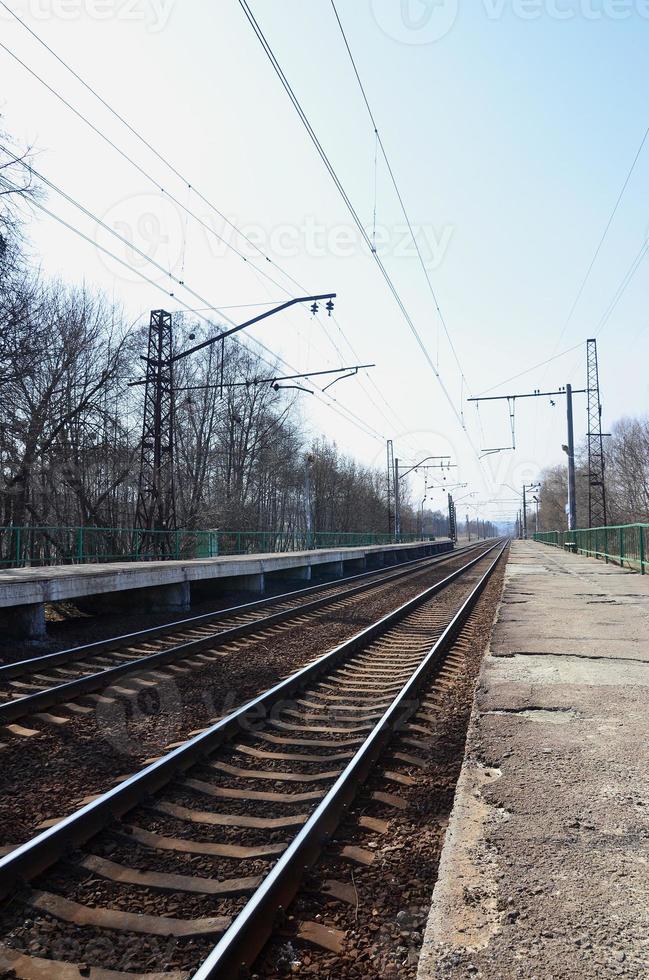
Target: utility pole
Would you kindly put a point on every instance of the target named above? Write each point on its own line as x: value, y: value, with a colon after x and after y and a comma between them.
x: 308, y: 519
x: 597, y: 516
x: 468, y: 527
x: 156, y: 508
x: 572, y: 486
x: 524, y: 513
x: 390, y: 454
x: 397, y: 503
x: 526, y: 487
x: 452, y: 519
x: 568, y: 392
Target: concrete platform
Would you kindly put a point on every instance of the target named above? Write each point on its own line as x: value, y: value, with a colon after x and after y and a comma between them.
x: 545, y: 868
x: 155, y: 586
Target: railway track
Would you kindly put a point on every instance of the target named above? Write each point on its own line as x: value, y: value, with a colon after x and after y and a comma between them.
x: 207, y: 843
x: 33, y: 686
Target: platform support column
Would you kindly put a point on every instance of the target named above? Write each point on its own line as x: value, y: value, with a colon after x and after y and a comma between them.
x: 250, y: 583
x: 25, y: 622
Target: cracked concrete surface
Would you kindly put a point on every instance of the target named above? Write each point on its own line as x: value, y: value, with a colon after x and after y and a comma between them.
x: 545, y: 869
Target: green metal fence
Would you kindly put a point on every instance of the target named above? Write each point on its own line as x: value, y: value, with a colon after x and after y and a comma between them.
x: 34, y: 546
x: 625, y: 544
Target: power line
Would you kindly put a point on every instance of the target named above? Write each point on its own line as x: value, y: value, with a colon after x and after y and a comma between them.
x: 77, y: 231
x: 111, y: 231
x: 534, y: 368
x: 630, y: 273
x: 379, y: 143
x: 400, y: 197
x: 138, y: 135
x: 124, y: 241
x: 603, y: 237
x: 339, y: 186
x: 147, y: 143
x: 163, y: 159
x: 396, y: 418
x: 325, y: 397
x: 237, y: 306
x: 140, y: 169
x: 621, y: 289
x: 338, y: 351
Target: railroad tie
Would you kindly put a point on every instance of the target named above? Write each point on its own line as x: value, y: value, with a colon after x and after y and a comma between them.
x: 374, y: 824
x: 321, y: 743
x: 317, y: 934
x: 265, y: 796
x: 274, y: 775
x: 398, y: 777
x: 293, y: 756
x: 17, y: 964
x: 389, y: 799
x: 152, y: 925
x: 78, y: 709
x: 21, y: 731
x: 206, y: 848
x: 99, y: 699
x: 228, y: 819
x: 161, y: 881
x: 357, y: 855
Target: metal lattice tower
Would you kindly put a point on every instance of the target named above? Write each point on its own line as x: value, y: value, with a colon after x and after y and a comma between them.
x: 452, y: 519
x: 597, y: 516
x: 391, y: 527
x: 156, y: 510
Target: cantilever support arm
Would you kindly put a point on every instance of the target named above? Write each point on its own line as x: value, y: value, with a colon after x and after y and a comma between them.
x: 249, y: 323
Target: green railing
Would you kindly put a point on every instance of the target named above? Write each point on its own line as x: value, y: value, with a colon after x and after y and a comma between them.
x: 35, y: 546
x: 625, y: 544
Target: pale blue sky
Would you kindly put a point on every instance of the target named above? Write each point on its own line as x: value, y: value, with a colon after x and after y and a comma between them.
x: 510, y: 137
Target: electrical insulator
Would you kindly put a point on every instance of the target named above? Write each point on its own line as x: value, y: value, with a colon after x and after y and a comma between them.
x: 314, y: 308
x: 330, y: 307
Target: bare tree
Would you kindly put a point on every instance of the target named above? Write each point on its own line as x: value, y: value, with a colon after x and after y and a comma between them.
x: 627, y: 480
x: 60, y: 359
x: 17, y: 190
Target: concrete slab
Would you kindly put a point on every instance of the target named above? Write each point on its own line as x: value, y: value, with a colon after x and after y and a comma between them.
x: 545, y: 868
x: 20, y: 586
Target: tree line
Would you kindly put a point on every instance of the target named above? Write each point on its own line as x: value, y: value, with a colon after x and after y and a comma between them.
x: 626, y: 480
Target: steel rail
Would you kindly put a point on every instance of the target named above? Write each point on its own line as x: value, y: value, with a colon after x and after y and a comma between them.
x: 33, y: 857
x: 11, y: 711
x: 240, y: 945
